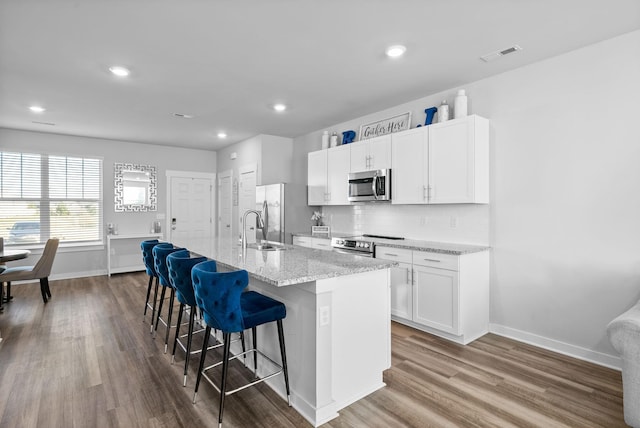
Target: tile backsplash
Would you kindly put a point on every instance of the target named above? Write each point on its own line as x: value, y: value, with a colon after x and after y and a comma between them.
x: 459, y: 223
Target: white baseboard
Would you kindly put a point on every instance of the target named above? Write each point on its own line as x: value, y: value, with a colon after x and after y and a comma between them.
x: 611, y: 361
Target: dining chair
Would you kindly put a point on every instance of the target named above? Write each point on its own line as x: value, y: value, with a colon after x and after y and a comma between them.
x: 227, y: 307
x: 41, y: 270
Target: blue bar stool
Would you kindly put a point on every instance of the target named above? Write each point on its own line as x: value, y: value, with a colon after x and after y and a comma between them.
x: 225, y: 306
x: 160, y: 254
x: 180, y: 264
x: 147, y: 257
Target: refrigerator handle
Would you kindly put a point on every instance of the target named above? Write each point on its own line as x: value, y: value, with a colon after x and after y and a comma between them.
x: 265, y: 219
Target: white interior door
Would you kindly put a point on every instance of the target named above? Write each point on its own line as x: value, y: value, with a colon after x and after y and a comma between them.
x: 190, y: 212
x: 247, y: 200
x: 224, y: 204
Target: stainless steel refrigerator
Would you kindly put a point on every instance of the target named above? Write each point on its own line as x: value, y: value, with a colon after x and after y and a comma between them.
x: 270, y: 202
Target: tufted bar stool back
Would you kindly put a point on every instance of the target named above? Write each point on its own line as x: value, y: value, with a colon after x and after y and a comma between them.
x: 160, y: 263
x: 226, y: 307
x: 147, y: 258
x: 179, y: 265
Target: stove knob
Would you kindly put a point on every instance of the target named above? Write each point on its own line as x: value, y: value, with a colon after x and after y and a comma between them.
x: 366, y: 245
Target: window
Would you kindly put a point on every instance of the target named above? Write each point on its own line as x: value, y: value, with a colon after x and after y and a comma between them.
x: 43, y: 196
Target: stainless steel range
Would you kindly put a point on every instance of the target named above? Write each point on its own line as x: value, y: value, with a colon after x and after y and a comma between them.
x: 363, y: 245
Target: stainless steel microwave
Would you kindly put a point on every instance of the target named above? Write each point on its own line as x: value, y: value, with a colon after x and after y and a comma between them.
x: 370, y: 186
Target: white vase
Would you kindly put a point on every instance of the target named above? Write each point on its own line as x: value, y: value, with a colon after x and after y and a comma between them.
x: 460, y: 105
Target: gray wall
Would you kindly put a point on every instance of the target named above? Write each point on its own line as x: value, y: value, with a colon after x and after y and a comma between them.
x: 72, y: 262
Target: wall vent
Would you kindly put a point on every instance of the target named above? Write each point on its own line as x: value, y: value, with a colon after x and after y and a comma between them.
x: 498, y: 54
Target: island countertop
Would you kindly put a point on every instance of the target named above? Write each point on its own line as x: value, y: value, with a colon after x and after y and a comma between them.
x: 292, y: 265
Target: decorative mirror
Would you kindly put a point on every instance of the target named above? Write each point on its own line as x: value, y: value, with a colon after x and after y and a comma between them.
x: 135, y: 187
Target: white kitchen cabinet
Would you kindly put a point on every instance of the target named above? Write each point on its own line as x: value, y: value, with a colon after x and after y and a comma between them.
x: 371, y: 154
x: 313, y: 242
x: 338, y: 166
x: 400, y: 280
x: 327, y: 175
x: 409, y: 178
x: 303, y: 241
x: 321, y: 244
x: 317, y: 178
x: 443, y: 294
x: 458, y: 166
x: 435, y: 298
x: 443, y: 163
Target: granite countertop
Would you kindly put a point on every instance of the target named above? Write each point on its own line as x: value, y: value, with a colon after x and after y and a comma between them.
x: 293, y: 265
x: 413, y: 244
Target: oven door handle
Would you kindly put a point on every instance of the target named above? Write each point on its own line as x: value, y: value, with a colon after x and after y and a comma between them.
x: 353, y: 253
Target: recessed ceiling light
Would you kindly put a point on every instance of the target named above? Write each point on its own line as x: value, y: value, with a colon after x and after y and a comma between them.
x: 279, y: 107
x: 222, y: 135
x: 395, y: 51
x: 119, y: 71
x: 37, y: 109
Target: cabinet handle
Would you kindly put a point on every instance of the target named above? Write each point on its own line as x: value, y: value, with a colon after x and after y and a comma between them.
x: 428, y: 193
x: 425, y: 196
x: 390, y: 255
x: 408, y: 277
x: 432, y: 260
x: 412, y: 277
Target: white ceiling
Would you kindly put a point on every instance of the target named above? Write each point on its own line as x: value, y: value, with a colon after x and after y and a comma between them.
x: 226, y: 62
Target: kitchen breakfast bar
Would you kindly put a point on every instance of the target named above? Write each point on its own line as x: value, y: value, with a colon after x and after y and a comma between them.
x: 337, y: 328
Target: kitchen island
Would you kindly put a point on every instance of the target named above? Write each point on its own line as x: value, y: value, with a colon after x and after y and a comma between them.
x: 337, y: 329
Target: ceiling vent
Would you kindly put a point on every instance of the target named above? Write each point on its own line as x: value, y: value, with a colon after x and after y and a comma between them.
x: 497, y: 54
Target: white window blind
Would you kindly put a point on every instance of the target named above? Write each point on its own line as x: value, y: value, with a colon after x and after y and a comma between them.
x: 46, y: 196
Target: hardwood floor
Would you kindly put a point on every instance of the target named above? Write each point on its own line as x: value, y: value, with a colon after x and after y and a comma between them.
x: 86, y: 359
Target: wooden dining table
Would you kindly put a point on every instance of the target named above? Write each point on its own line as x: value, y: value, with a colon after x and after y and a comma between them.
x: 9, y: 255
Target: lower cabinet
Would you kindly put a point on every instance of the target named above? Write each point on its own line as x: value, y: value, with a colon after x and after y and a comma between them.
x: 313, y: 242
x: 443, y: 294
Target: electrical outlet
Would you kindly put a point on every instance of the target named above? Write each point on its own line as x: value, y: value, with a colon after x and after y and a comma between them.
x: 325, y: 315
x: 453, y: 222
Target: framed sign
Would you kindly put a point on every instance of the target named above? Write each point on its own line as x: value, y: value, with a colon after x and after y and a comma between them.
x: 401, y: 122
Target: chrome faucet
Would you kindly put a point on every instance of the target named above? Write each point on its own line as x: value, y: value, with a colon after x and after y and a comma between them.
x: 244, y: 225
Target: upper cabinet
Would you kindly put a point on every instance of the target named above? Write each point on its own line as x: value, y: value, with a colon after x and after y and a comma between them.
x: 409, y: 179
x: 445, y: 163
x: 317, y: 178
x: 327, y: 174
x: 371, y: 154
x: 458, y: 165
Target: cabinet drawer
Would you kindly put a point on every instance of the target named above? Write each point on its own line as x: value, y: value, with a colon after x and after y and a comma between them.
x: 436, y: 260
x: 303, y: 241
x: 395, y: 254
x: 321, y: 244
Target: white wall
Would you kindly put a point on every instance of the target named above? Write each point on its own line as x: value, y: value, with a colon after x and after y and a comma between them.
x: 564, y: 220
x: 73, y: 263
